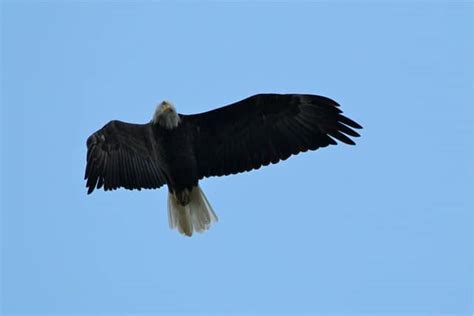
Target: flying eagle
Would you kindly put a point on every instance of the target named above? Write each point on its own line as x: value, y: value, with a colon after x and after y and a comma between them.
x: 178, y: 150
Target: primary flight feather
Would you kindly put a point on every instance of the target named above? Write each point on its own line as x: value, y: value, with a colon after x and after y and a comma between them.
x: 178, y: 150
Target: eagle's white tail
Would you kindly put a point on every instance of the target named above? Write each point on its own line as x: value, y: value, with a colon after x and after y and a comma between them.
x: 196, y: 216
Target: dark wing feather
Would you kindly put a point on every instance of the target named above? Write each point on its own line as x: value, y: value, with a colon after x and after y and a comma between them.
x: 123, y: 155
x: 264, y: 129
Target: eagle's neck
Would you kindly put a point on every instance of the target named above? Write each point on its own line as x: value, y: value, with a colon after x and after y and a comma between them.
x: 166, y: 119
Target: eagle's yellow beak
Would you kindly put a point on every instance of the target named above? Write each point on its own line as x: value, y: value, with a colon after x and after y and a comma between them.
x: 166, y: 107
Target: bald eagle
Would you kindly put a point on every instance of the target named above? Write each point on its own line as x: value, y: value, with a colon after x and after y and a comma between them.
x: 178, y: 150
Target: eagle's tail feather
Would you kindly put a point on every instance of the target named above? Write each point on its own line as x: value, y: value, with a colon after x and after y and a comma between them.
x: 196, y: 216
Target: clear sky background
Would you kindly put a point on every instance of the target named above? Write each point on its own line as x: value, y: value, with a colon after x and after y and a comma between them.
x: 385, y: 227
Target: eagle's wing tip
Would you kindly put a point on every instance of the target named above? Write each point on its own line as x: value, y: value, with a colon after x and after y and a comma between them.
x: 351, y: 142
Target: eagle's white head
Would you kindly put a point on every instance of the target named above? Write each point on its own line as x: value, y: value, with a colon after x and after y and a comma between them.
x: 166, y: 115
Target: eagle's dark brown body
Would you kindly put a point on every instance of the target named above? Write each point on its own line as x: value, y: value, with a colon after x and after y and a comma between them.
x: 178, y: 157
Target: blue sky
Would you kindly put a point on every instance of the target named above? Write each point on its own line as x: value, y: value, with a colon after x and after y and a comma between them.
x: 385, y: 227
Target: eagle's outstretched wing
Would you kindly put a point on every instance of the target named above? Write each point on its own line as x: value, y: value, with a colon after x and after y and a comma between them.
x: 123, y: 155
x: 264, y: 129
